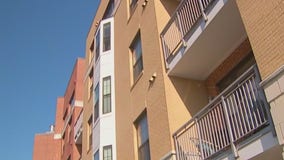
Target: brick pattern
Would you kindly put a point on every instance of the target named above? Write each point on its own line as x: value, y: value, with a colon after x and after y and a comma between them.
x: 265, y: 31
x: 46, y: 147
x: 227, y: 65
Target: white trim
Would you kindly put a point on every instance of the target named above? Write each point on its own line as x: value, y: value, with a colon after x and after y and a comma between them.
x: 274, y: 84
x: 272, y: 76
x: 78, y: 103
x: 57, y: 136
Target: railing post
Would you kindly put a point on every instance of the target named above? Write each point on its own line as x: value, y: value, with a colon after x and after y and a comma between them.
x: 177, y: 148
x: 199, y: 138
x: 166, y: 54
x: 202, y: 10
x: 182, y: 33
x: 230, y: 130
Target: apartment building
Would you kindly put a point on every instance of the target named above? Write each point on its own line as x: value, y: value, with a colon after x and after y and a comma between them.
x: 175, y: 79
x: 61, y: 142
x: 184, y: 79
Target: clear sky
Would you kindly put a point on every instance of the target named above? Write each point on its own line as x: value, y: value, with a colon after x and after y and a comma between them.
x: 39, y: 43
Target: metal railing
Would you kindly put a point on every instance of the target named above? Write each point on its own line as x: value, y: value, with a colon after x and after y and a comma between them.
x: 185, y: 17
x: 236, y: 113
x: 78, y: 127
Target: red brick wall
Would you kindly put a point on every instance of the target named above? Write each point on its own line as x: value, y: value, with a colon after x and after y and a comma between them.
x: 46, y: 148
x: 227, y: 65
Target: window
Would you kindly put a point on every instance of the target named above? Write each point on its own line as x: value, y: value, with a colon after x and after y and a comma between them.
x: 90, y: 83
x: 97, y: 155
x: 109, y: 11
x: 132, y: 5
x: 72, y: 99
x: 90, y: 135
x: 106, y: 37
x: 106, y: 95
x: 137, y: 61
x: 97, y: 100
x: 107, y: 152
x: 143, y: 138
x: 97, y: 45
x: 91, y: 51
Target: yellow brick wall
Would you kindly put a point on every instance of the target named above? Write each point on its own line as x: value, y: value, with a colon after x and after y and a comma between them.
x: 264, y: 23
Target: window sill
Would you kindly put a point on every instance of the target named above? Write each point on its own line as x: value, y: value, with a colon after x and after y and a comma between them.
x: 136, y: 81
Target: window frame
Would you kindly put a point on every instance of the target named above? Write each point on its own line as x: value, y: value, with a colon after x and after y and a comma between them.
x: 143, y: 145
x: 106, y: 109
x: 97, y: 155
x: 136, y: 57
x: 111, y: 154
x: 106, y: 39
x: 97, y: 102
x: 90, y: 133
x: 97, y: 44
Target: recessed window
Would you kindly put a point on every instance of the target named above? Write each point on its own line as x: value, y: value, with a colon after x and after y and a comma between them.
x: 106, y: 37
x: 107, y: 152
x: 72, y: 99
x: 97, y: 102
x: 137, y: 60
x: 143, y: 138
x: 97, y: 44
x: 92, y: 48
x: 109, y: 11
x: 90, y: 84
x: 106, y: 95
x: 132, y: 5
x: 90, y: 132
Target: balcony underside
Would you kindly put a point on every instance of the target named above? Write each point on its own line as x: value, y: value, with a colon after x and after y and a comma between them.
x: 78, y: 139
x: 210, y: 42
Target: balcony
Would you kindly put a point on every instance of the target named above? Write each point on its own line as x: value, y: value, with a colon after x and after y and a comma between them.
x: 200, y: 35
x: 78, y: 128
x: 233, y: 121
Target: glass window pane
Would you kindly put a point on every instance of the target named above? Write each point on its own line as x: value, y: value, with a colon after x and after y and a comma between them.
x: 98, y: 45
x: 97, y: 102
x: 106, y: 37
x: 137, y: 60
x: 97, y: 92
x: 97, y: 156
x: 107, y: 153
x: 143, y: 139
x: 107, y: 95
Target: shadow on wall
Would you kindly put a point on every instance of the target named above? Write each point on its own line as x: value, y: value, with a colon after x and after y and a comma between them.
x: 193, y: 93
x: 170, y: 5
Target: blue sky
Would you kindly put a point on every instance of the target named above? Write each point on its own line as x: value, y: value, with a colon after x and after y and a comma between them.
x: 39, y: 43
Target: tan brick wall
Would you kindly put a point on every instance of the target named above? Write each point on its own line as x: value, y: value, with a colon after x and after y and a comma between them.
x: 133, y: 99
x: 264, y: 21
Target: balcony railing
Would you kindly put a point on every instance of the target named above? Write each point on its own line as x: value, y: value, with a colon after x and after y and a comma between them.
x: 78, y: 127
x: 235, y: 114
x: 181, y: 23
